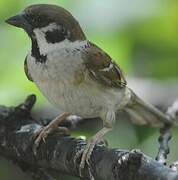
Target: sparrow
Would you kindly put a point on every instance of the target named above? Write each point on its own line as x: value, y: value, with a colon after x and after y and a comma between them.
x: 76, y: 76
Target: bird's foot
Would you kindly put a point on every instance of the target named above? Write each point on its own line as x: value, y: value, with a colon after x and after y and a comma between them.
x: 86, y: 153
x: 43, y: 133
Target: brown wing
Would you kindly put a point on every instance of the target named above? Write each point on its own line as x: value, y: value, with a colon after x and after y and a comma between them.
x: 101, y: 68
x: 26, y: 70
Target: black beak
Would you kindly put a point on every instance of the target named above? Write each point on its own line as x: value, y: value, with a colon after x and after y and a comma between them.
x: 18, y: 21
x: 21, y: 22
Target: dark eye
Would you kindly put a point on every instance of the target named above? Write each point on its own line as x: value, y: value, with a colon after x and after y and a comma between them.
x: 32, y: 20
x: 57, y: 35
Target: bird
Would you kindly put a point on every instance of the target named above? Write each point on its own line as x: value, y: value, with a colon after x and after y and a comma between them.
x: 77, y: 76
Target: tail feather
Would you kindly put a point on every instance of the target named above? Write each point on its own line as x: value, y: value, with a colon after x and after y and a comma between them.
x: 145, y: 114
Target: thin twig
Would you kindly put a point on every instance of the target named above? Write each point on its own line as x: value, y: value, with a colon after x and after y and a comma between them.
x: 165, y: 134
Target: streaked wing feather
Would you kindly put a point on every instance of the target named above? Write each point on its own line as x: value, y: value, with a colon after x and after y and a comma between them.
x: 102, y: 69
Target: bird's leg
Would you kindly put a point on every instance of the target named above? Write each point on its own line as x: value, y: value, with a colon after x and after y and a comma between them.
x: 108, y: 117
x: 90, y: 146
x: 52, y: 126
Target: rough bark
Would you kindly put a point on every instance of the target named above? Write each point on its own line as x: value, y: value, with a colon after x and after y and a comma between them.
x: 56, y: 156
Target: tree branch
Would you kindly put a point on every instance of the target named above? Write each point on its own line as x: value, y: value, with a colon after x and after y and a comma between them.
x: 17, y: 128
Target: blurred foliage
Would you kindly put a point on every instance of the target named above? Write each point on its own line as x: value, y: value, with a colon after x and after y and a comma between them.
x: 143, y: 47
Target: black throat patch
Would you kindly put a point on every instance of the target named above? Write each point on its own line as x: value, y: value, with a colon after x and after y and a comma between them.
x: 35, y: 52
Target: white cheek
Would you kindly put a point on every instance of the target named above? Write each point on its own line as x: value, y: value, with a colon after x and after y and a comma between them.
x: 45, y: 47
x: 38, y: 71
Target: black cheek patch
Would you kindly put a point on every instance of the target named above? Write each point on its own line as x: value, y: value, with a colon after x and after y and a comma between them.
x: 55, y: 36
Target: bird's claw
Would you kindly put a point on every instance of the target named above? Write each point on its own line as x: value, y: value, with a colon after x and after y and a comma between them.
x: 86, y: 152
x: 43, y: 133
x: 39, y: 136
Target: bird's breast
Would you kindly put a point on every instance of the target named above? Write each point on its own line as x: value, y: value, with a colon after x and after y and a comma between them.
x: 62, y: 80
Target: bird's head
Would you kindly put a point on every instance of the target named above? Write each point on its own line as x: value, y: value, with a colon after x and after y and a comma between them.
x: 51, y: 23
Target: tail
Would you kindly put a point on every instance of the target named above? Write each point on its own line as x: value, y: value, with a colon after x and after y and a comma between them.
x: 143, y: 113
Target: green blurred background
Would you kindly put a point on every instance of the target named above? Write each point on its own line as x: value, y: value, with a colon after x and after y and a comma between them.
x: 140, y: 35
